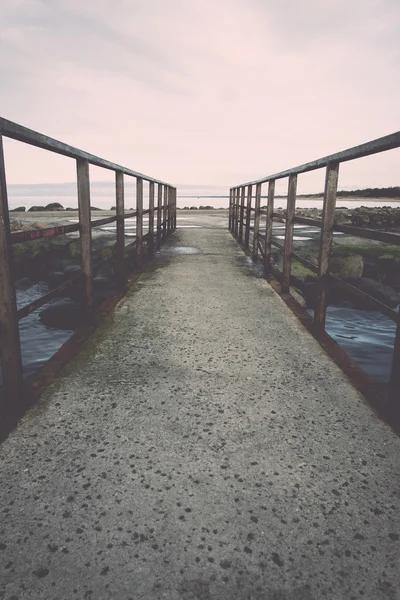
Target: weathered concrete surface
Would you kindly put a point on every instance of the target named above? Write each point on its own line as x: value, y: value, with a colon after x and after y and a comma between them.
x: 203, y: 447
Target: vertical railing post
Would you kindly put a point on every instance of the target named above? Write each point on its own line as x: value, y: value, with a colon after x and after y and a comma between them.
x: 175, y: 206
x: 120, y: 255
x: 230, y: 209
x: 248, y: 218
x: 159, y: 213
x: 237, y: 192
x: 287, y: 253
x: 82, y: 166
x: 393, y: 403
x: 139, y: 221
x: 150, y: 244
x: 169, y: 210
x: 10, y: 347
x: 165, y: 208
x: 325, y: 248
x: 242, y: 193
x: 257, y: 215
x: 172, y: 208
x: 269, y: 225
x: 233, y: 211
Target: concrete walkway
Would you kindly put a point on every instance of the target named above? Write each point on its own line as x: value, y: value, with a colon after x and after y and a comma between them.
x: 202, y: 447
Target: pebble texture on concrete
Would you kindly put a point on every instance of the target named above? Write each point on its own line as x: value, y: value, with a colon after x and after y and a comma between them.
x: 202, y: 447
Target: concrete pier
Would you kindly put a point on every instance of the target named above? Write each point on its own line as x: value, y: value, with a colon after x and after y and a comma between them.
x: 203, y: 446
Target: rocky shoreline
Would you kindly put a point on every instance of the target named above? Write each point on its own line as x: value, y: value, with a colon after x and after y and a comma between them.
x: 54, y: 261
x: 383, y: 217
x: 371, y: 266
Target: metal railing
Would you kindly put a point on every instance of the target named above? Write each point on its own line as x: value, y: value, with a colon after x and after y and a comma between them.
x: 158, y: 229
x: 241, y: 216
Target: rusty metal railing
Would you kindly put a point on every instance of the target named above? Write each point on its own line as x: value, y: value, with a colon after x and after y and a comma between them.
x: 241, y: 216
x: 160, y: 225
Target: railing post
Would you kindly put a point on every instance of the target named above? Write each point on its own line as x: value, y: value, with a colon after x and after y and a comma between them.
x: 175, y: 206
x: 10, y: 347
x: 139, y: 221
x: 150, y: 244
x: 269, y: 225
x: 248, y: 217
x: 82, y: 167
x: 242, y: 192
x: 256, y: 221
x: 159, y: 212
x: 174, y: 215
x: 230, y: 209
x: 172, y: 210
x: 120, y: 256
x: 165, y: 208
x: 236, y: 231
x: 393, y: 403
x: 287, y: 253
x: 169, y: 210
x: 328, y: 219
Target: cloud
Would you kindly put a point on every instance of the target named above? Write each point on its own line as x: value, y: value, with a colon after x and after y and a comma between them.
x: 201, y: 93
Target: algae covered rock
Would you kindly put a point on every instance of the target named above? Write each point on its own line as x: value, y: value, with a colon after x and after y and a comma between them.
x: 63, y: 314
x: 380, y: 291
x: 347, y: 266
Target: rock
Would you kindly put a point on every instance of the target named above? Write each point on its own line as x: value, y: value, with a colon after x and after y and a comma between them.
x: 23, y: 284
x: 380, y: 291
x: 342, y: 216
x: 16, y: 225
x: 107, y: 251
x: 298, y: 296
x: 300, y: 273
x: 72, y: 270
x: 18, y: 209
x: 56, y: 278
x: 35, y: 225
x: 310, y: 293
x: 54, y: 206
x: 347, y: 266
x: 63, y: 314
x: 36, y: 209
x: 91, y: 208
x: 74, y: 248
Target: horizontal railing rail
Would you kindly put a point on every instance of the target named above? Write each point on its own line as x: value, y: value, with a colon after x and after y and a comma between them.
x: 388, y: 142
x: 33, y: 138
x: 161, y: 222
x: 246, y: 219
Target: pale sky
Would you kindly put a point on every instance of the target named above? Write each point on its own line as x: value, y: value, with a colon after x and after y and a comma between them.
x: 199, y: 92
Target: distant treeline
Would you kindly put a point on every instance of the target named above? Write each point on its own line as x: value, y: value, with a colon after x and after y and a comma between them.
x: 389, y: 192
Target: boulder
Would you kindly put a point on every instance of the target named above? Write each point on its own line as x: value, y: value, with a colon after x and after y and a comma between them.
x: 56, y: 278
x: 63, y: 314
x: 298, y: 296
x: 380, y: 291
x: 347, y: 266
x: 54, y: 206
x: 36, y: 209
x: 74, y: 248
x: 16, y: 225
x: 18, y: 209
x: 300, y: 273
x: 35, y: 225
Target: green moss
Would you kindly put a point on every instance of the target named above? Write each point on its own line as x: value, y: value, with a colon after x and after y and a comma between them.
x: 372, y: 251
x: 300, y: 271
